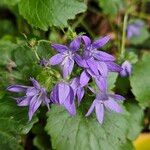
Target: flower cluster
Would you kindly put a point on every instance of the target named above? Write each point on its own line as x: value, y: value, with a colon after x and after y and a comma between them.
x: 95, y: 65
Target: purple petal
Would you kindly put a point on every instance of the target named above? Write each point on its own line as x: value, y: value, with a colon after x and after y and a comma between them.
x: 93, y: 65
x: 67, y: 66
x: 17, y: 88
x: 80, y: 94
x: 70, y: 106
x: 64, y: 91
x: 103, y: 56
x: 24, y: 101
x: 91, y: 108
x: 56, y: 59
x: 112, y: 105
x: 54, y: 95
x: 102, y: 67
x: 86, y: 40
x: 75, y: 44
x: 126, y: 69
x: 99, y: 112
x: 31, y: 91
x: 117, y: 97
x: 33, y: 106
x: 35, y: 83
x: 101, y: 82
x: 101, y: 42
x: 84, y: 78
x: 81, y: 62
x: 113, y: 67
x: 60, y: 48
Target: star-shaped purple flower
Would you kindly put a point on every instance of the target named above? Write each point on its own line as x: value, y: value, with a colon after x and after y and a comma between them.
x: 66, y: 56
x: 34, y: 96
x: 63, y: 94
x: 105, y: 101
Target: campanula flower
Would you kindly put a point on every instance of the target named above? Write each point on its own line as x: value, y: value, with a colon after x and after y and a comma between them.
x: 63, y: 94
x: 66, y: 56
x: 126, y: 69
x: 34, y: 96
x: 104, y: 101
x: 133, y: 29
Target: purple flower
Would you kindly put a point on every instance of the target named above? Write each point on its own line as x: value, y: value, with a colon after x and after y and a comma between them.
x: 78, y: 88
x: 104, y: 101
x: 133, y: 29
x: 126, y: 69
x: 66, y: 56
x: 34, y: 96
x: 95, y: 59
x: 63, y: 94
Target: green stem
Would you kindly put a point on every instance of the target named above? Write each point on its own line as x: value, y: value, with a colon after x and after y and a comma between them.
x: 36, y: 54
x: 122, y: 52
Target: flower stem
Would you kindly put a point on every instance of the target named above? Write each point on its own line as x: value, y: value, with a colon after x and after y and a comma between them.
x: 36, y: 54
x: 122, y: 52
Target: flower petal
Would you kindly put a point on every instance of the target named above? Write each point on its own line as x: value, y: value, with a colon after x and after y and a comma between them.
x: 17, y: 88
x: 75, y: 44
x: 60, y: 48
x: 99, y: 108
x: 63, y: 92
x: 33, y: 106
x: 117, y: 97
x: 81, y: 62
x: 67, y: 66
x: 24, y: 101
x: 86, y: 40
x: 80, y: 94
x: 102, y: 67
x: 54, y: 94
x: 101, y: 42
x: 103, y: 56
x: 93, y: 65
x: 112, y: 105
x: 56, y: 59
x: 91, y: 108
x: 113, y: 67
x: 31, y: 91
x: 84, y: 78
x: 101, y: 82
x: 35, y: 83
x: 70, y: 106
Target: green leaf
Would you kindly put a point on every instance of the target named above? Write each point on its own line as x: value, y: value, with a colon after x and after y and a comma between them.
x: 14, y: 122
x: 9, y: 2
x: 45, y: 13
x: 140, y: 82
x: 80, y: 133
x: 6, y: 48
x: 111, y: 7
x: 135, y: 119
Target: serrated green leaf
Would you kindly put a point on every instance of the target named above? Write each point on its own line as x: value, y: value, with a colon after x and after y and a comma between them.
x: 14, y: 122
x: 140, y: 82
x: 45, y: 13
x: 80, y: 133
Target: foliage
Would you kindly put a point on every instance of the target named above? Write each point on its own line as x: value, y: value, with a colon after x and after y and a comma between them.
x: 28, y: 28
